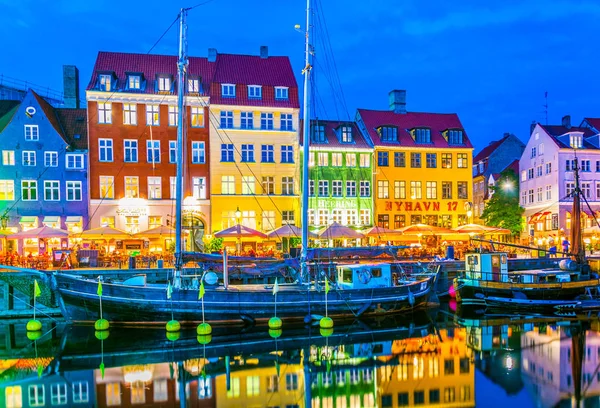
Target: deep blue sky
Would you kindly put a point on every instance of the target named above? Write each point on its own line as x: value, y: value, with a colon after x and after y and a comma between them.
x: 490, y: 62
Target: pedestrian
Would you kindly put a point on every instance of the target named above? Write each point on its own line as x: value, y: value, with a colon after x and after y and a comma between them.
x: 565, y: 245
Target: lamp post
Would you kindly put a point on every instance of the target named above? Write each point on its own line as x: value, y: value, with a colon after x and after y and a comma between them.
x: 238, y: 216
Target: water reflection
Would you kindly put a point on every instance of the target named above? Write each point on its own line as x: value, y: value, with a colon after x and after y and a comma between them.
x: 423, y: 361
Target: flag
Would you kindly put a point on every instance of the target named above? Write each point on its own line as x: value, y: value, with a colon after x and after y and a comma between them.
x: 169, y: 291
x: 275, y: 287
x: 277, y: 368
x: 99, y: 288
x: 326, y: 285
x: 201, y: 291
x: 40, y: 370
x: 102, y: 370
x: 36, y: 289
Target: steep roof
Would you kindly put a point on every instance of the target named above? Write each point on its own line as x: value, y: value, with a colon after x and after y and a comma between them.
x: 489, y: 149
x: 558, y: 130
x: 437, y: 122
x: 50, y: 113
x: 514, y: 166
x: 332, y: 135
x: 7, y: 111
x: 74, y: 125
x: 593, y: 122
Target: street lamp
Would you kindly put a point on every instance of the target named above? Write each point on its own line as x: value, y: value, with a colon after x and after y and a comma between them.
x: 507, y: 185
x: 238, y: 214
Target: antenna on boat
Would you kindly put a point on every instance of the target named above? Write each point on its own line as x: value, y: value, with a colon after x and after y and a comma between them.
x: 305, y: 147
x: 181, y: 72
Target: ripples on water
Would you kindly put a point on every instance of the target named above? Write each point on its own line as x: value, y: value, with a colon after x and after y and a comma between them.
x: 434, y: 359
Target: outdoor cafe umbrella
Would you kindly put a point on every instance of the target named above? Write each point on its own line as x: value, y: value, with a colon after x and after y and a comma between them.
x: 158, y: 232
x: 339, y: 231
x: 288, y: 231
x: 107, y: 233
x: 423, y: 229
x: 480, y: 229
x: 239, y: 231
x: 378, y: 231
x: 41, y: 232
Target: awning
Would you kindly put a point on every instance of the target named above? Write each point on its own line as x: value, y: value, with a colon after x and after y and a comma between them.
x: 74, y: 219
x: 588, y: 213
x: 539, y: 217
x: 51, y: 219
x: 28, y: 219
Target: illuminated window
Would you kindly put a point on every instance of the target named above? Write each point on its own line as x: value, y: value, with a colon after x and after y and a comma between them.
x: 336, y: 159
x: 133, y: 82
x: 446, y: 160
x: 399, y: 221
x: 129, y: 114
x: 434, y: 367
x: 252, y: 386
x: 164, y: 83
x: 431, y: 190
x: 107, y: 187
x: 173, y: 112
x: 227, y: 185
x: 415, y: 190
x: 8, y: 158
x: 161, y: 391
x: 197, y: 116
x: 446, y: 190
x: 287, y: 186
x: 193, y: 85
x: 7, y: 190
x: 138, y: 392
x: 365, y: 217
x: 132, y: 187
x: 204, y: 388
x: 104, y: 112
x: 272, y: 383
x: 383, y: 189
x: 154, y: 188
x: 104, y: 81
x: 152, y: 115
x: 107, y: 221
x: 248, y: 185
x: 132, y: 224
x: 365, y: 160
x: 154, y: 221
x: 462, y: 161
x: 199, y: 188
x: 268, y: 220
x: 350, y: 160
x: 13, y: 397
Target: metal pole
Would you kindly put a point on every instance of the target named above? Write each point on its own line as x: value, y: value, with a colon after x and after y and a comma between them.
x: 225, y: 269
x: 179, y: 181
x: 305, y: 150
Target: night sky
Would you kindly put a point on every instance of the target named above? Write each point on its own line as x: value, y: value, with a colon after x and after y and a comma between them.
x: 491, y: 62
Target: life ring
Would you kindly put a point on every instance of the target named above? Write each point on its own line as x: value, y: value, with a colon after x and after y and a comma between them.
x: 364, y: 276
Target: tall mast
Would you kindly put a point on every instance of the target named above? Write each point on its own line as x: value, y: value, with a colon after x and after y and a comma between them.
x: 306, y: 140
x: 577, y: 248
x: 179, y: 181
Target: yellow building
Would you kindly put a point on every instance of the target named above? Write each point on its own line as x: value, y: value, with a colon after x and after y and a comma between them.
x: 422, y: 165
x: 254, y: 153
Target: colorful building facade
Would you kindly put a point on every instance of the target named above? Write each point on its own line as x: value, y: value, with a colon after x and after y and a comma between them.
x: 254, y: 168
x: 341, y: 175
x: 422, y: 166
x: 43, y: 177
x: 132, y: 105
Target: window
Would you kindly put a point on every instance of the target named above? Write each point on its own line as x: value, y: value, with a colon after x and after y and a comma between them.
x: 154, y: 188
x: 8, y: 158
x: 431, y: 160
x: 172, y: 151
x: 534, y: 152
x: 13, y: 396
x: 74, y: 161
x: 247, y: 153
x: 268, y: 185
x: 350, y: 160
x: 462, y: 192
x: 226, y: 120
x: 132, y: 187
x: 247, y: 120
x: 204, y: 387
x: 336, y: 188
x: 399, y: 159
x: 399, y: 189
x: 465, y: 392
x: 197, y: 116
x: 311, y: 188
x: 281, y: 92
x: 365, y: 217
x: 365, y: 160
x: 51, y: 190
x: 449, y: 394
x: 318, y: 134
x: 548, y: 192
x: 586, y: 189
x: 248, y: 185
x: 106, y: 150
x: 576, y: 141
x: 350, y: 188
x: 365, y: 188
x: 268, y: 220
x: 585, y: 166
x: 50, y: 159
x: 107, y: 221
x: 461, y: 161
x: 252, y: 385
x: 199, y: 188
x: 531, y: 194
x: 446, y: 160
x: 164, y: 83
x: 415, y: 190
x: 193, y: 85
x: 172, y: 187
x: 388, y: 133
x: 74, y: 190
x: 323, y: 188
x: 434, y: 396
x: 323, y: 159
x: 288, y: 217
x: 267, y: 154
x: 80, y: 392
x: 173, y: 115
x: 7, y: 190
x: 431, y: 190
x: 228, y: 90
x: 539, y: 194
x: 113, y: 394
x: 234, y: 389
x: 346, y: 134
x: 29, y: 190
x: 386, y: 401
x: 130, y: 148
x: 415, y: 160
x: 530, y: 173
x: 129, y: 114
x: 419, y: 397
x: 198, y: 153
x: 254, y: 91
x: 104, y: 81
x: 133, y: 82
x: 227, y: 185
x: 266, y: 121
x: 291, y: 382
x: 58, y: 394
x: 403, y: 399
x: 382, y: 159
x: 153, y: 151
x: 107, y: 187
x: 32, y: 132
x: 455, y: 137
x: 152, y: 115
x: 449, y: 366
x: 29, y: 158
x: 464, y: 365
x: 227, y: 152
x: 383, y: 189
x: 104, y: 112
x: 287, y: 186
x: 36, y: 395
x: 422, y: 135
x: 549, y: 167
x: 287, y: 154
x: 336, y: 159
x: 399, y: 221
x: 446, y: 190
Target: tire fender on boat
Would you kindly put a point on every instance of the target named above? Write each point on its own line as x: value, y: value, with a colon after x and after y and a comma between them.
x: 364, y: 276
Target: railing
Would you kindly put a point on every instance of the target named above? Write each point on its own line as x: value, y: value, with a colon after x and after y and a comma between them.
x: 22, y: 86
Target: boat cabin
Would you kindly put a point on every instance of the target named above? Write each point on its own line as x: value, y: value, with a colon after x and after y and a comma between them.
x: 362, y: 276
x: 488, y: 266
x: 543, y: 276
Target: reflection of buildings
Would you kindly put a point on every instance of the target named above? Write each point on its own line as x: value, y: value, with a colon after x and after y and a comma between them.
x: 428, y: 371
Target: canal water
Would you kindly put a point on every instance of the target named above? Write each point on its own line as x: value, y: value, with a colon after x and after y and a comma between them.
x: 427, y: 359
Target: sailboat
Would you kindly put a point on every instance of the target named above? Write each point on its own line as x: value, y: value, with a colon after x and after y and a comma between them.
x: 350, y: 291
x: 487, y: 282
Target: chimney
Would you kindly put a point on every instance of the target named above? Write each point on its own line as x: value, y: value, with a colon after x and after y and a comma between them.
x: 264, y: 52
x: 532, y: 126
x: 397, y: 101
x: 71, y: 86
x: 566, y: 121
x: 212, y: 55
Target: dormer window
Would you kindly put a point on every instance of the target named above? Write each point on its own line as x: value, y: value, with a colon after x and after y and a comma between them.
x: 193, y: 85
x: 281, y: 92
x: 346, y: 134
x: 576, y: 141
x: 255, y: 91
x: 388, y: 133
x: 228, y: 90
x: 164, y: 83
x: 318, y: 134
x: 455, y: 137
x: 481, y: 167
x: 134, y: 81
x: 422, y: 135
x: 104, y: 82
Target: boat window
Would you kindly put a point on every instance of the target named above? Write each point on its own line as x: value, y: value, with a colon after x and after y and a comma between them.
x: 376, y: 272
x: 504, y: 259
x: 347, y: 275
x: 473, y: 260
